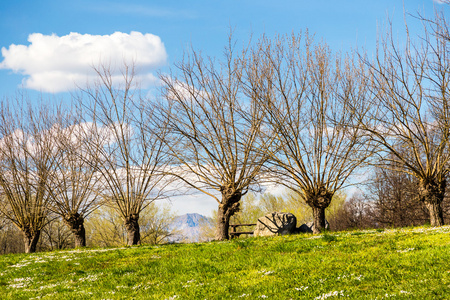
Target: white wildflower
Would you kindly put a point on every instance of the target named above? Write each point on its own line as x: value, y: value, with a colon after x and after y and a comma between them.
x: 406, y: 250
x: 90, y: 277
x: 19, y: 265
x: 85, y: 292
x: 94, y: 250
x: 188, y: 283
x: 48, y: 286
x: 359, y: 278
x: 20, y: 282
x: 330, y: 294
x: 120, y: 287
x: 302, y: 288
x: 265, y: 272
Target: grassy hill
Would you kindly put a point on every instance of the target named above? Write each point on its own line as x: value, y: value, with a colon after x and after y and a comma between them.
x: 408, y: 263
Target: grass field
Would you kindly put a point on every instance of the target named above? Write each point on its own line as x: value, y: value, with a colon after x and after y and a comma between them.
x: 408, y: 263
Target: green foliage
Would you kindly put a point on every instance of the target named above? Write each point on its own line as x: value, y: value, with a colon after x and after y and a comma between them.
x: 329, y: 238
x: 105, y: 226
x: 243, y: 243
x: 208, y: 228
x: 409, y: 263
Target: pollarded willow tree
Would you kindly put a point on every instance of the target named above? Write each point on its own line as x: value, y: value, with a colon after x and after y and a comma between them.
x: 307, y: 91
x: 27, y: 159
x: 408, y: 113
x: 74, y: 182
x: 215, y: 128
x: 131, y: 157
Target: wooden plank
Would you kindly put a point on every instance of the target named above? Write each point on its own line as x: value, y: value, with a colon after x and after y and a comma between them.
x: 238, y: 225
x: 234, y: 233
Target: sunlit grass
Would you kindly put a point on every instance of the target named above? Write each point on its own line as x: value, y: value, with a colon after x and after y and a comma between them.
x: 408, y: 263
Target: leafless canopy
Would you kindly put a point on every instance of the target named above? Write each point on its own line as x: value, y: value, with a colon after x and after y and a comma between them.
x: 74, y: 181
x: 307, y: 91
x: 26, y: 161
x: 214, y: 129
x: 131, y: 156
x: 408, y: 113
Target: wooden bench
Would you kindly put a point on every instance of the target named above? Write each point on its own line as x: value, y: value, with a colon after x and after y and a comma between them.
x: 235, y: 233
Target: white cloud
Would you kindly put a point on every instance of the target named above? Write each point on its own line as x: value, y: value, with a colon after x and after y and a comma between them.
x: 56, y: 64
x: 195, y: 203
x: 442, y: 1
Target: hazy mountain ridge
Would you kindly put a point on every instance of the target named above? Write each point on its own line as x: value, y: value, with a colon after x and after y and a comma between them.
x: 188, y: 227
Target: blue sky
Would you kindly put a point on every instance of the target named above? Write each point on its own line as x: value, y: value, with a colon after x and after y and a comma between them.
x: 164, y: 29
x: 203, y: 24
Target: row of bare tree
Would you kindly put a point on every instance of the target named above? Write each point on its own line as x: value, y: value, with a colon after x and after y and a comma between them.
x: 283, y: 110
x: 103, y: 151
x: 289, y: 111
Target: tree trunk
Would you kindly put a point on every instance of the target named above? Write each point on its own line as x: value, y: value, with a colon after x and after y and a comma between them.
x: 436, y: 215
x: 319, y: 199
x: 30, y: 239
x: 227, y: 208
x: 132, y: 226
x: 432, y: 193
x: 319, y: 219
x: 76, y: 224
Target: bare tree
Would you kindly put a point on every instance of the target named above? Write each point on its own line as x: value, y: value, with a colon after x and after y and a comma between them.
x: 55, y: 235
x: 10, y: 238
x: 131, y: 156
x: 26, y: 160
x: 74, y: 182
x: 307, y: 92
x: 214, y: 129
x: 394, y: 201
x: 408, y: 113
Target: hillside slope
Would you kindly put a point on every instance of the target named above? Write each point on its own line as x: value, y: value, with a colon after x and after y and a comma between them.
x: 409, y: 263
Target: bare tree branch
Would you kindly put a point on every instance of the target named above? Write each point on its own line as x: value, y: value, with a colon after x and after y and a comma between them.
x: 409, y: 110
x: 27, y: 159
x: 131, y: 158
x: 215, y: 129
x: 307, y: 93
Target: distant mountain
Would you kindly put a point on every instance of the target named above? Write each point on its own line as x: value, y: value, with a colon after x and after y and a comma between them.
x: 188, y: 227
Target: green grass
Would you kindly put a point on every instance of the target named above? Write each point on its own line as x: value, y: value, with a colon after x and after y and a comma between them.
x: 408, y: 263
